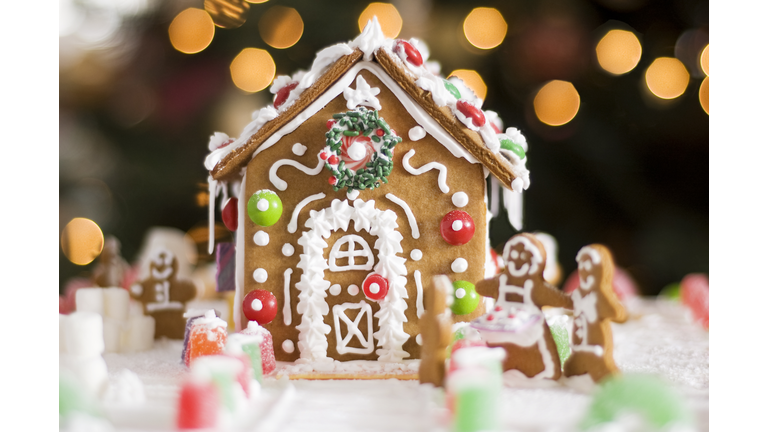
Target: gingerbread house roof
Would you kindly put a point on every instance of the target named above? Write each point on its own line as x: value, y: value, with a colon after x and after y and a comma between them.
x: 476, y: 130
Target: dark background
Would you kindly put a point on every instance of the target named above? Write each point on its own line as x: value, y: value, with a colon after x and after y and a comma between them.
x: 630, y: 171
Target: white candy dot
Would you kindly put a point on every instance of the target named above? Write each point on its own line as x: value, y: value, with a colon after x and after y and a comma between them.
x: 288, y: 346
x: 335, y: 289
x: 261, y: 238
x: 419, y: 339
x: 256, y: 305
x: 260, y: 275
x: 460, y: 293
x: 416, y: 254
x: 460, y: 199
x: 460, y: 265
x: 456, y: 225
x: 416, y: 133
x: 353, y: 290
x: 356, y: 151
x: 514, y: 254
x: 288, y: 249
x: 262, y: 204
x: 299, y: 149
x: 374, y: 288
x: 353, y: 194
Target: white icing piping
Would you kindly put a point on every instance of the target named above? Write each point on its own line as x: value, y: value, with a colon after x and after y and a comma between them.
x: 443, y: 171
x: 408, y: 212
x: 336, y: 253
x: 535, y: 260
x: 212, y: 184
x: 419, y: 294
x: 280, y: 183
x: 364, y: 95
x: 292, y: 225
x: 353, y: 328
x: 239, y: 259
x: 287, y: 315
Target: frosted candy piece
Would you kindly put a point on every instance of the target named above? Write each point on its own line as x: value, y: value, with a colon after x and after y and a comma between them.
x: 239, y: 344
x: 474, y: 389
x: 72, y: 395
x: 207, y: 336
x: 139, y: 334
x: 644, y: 395
x: 562, y: 339
x: 671, y: 291
x: 90, y: 300
x: 267, y: 350
x: 62, y: 333
x: 694, y: 292
x: 91, y: 372
x: 84, y: 334
x: 113, y: 330
x: 224, y: 371
x: 198, y: 406
x: 192, y: 315
x: 461, y: 344
x: 225, y: 267
x: 116, y: 301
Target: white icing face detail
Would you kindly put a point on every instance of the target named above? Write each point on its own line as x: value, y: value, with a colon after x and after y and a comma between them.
x: 416, y: 254
x: 460, y: 265
x: 260, y: 275
x: 460, y: 199
x: 514, y: 254
x: 523, y: 257
x: 288, y: 346
x: 416, y: 133
x: 335, y: 289
x: 261, y: 238
x: 288, y: 249
x: 299, y: 149
x: 460, y: 293
x: 374, y: 288
x: 256, y: 305
x: 262, y: 205
x: 356, y: 151
x: 456, y: 225
x: 586, y: 280
x: 353, y: 290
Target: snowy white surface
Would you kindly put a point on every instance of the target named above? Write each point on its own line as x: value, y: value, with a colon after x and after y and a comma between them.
x: 657, y: 340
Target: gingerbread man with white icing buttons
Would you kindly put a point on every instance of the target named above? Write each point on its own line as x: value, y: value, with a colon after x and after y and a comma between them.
x: 595, y: 305
x: 516, y: 322
x: 164, y: 296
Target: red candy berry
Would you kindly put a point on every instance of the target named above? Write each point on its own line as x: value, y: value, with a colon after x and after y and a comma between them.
x: 471, y: 111
x: 694, y: 292
x: 333, y: 160
x: 229, y: 214
x: 323, y: 155
x: 411, y: 53
x: 375, y: 287
x: 329, y: 124
x: 457, y: 227
x: 282, y: 94
x: 331, y: 180
x: 497, y: 308
x: 380, y: 132
x: 260, y: 305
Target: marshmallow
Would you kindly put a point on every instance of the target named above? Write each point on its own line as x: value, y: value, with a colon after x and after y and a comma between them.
x: 84, y: 334
x: 116, y: 303
x: 113, y: 330
x: 91, y: 372
x: 90, y: 300
x: 139, y: 335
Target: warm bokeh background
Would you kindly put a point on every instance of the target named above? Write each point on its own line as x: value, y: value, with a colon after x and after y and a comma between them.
x: 612, y: 95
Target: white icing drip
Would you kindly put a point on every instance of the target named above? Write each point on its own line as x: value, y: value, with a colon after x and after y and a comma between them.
x: 260, y: 275
x: 416, y: 254
x: 293, y: 224
x: 460, y: 199
x: 431, y: 165
x: 299, y: 149
x: 364, y: 94
x: 261, y: 238
x: 336, y: 253
x: 434, y: 84
x: 212, y: 187
x: 324, y: 58
x: 288, y: 249
x: 416, y: 133
x: 261, y: 117
x: 371, y: 39
x: 459, y: 265
x: 239, y: 258
x: 353, y: 328
x: 279, y: 183
x: 408, y: 213
x: 513, y: 202
x: 419, y: 294
x: 287, y: 314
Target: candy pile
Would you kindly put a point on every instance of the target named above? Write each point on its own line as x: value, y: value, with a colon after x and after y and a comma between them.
x: 124, y: 329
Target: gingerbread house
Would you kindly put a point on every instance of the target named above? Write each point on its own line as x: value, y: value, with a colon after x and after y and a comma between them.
x: 365, y: 178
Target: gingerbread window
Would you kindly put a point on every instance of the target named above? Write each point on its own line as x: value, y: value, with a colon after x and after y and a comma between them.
x: 356, y: 255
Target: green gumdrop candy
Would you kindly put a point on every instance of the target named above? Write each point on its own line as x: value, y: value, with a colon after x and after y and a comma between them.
x: 452, y: 89
x: 265, y: 208
x: 656, y: 402
x: 465, y: 298
x: 226, y: 385
x: 475, y: 411
x: 254, y: 352
x: 562, y: 340
x: 72, y: 397
x: 671, y: 291
x: 514, y: 148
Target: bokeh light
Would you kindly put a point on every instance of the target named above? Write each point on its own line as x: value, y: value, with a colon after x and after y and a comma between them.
x: 281, y: 27
x: 228, y: 14
x: 619, y: 51
x: 485, y: 28
x: 389, y: 18
x: 667, y: 77
x: 252, y: 70
x: 556, y: 103
x: 704, y: 94
x: 705, y: 60
x: 191, y: 31
x: 257, y: 1
x: 473, y: 80
x: 82, y: 241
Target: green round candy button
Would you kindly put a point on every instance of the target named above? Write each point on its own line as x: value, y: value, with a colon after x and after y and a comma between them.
x: 265, y: 208
x: 452, y: 89
x: 514, y: 148
x: 465, y: 298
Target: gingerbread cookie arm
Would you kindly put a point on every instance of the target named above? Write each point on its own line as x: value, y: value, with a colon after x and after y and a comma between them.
x: 547, y: 295
x: 185, y: 291
x: 488, y: 287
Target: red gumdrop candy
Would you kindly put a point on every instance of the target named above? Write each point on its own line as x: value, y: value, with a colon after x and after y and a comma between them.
x: 260, y: 305
x: 198, y: 406
x: 376, y: 287
x: 282, y: 94
x: 459, y: 233
x: 411, y: 53
x: 229, y: 214
x: 694, y: 292
x: 471, y: 111
x: 266, y: 348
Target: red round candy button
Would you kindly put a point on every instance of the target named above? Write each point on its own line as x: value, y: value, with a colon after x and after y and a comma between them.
x: 229, y: 214
x: 282, y: 94
x: 260, y: 305
x: 471, y: 111
x: 376, y: 287
x: 333, y: 160
x: 457, y: 227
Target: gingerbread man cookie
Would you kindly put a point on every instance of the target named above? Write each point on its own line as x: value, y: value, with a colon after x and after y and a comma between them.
x: 516, y: 323
x: 112, y: 268
x: 595, y: 305
x: 164, y: 296
x: 435, y: 328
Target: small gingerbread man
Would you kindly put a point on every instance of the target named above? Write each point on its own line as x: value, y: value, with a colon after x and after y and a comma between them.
x: 531, y: 349
x: 595, y: 305
x: 112, y: 268
x: 164, y: 296
x: 435, y: 327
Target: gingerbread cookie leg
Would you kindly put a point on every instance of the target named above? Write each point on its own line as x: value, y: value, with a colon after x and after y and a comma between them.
x: 435, y: 327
